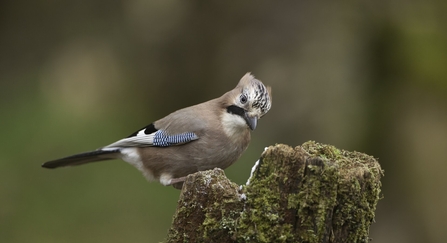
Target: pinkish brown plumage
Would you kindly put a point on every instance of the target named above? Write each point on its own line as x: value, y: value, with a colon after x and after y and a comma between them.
x: 200, y: 137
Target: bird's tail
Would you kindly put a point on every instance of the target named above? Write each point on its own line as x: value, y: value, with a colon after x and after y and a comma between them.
x: 83, y: 158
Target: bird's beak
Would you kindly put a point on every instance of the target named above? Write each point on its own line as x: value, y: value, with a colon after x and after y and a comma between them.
x: 251, y: 121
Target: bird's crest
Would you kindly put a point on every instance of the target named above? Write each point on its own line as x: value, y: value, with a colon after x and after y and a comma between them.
x: 259, y: 94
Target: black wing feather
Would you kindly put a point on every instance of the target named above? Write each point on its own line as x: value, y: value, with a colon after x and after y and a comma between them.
x: 148, y: 130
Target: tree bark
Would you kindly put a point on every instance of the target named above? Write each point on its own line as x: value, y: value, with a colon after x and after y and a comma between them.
x: 310, y: 193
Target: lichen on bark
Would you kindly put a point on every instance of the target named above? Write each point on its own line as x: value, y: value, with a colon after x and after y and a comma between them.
x: 310, y: 193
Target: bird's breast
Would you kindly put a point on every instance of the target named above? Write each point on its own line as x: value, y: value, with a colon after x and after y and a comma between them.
x: 234, y: 126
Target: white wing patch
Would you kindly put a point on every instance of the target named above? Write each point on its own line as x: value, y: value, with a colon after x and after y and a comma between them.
x: 142, y: 132
x: 140, y: 140
x: 159, y: 138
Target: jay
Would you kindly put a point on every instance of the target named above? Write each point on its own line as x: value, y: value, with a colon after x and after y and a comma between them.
x: 200, y: 137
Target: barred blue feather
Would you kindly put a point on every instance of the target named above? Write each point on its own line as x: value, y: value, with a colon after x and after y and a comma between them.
x: 163, y: 139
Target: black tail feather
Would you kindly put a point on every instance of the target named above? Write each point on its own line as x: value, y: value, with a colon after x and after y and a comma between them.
x: 83, y: 158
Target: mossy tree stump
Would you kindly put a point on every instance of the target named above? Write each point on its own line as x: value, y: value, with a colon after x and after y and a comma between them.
x: 310, y: 193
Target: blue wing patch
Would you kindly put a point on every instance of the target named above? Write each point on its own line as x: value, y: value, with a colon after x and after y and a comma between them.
x: 162, y: 139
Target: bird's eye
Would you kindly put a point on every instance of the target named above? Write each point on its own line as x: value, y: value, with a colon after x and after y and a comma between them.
x: 243, y: 99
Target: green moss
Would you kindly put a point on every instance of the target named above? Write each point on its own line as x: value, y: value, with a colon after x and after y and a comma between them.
x: 263, y: 215
x: 358, y: 190
x: 311, y: 193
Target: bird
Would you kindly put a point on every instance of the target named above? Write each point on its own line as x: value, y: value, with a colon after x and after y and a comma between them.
x: 212, y: 134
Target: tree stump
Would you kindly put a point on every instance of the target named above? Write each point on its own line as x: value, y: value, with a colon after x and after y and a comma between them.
x: 310, y: 193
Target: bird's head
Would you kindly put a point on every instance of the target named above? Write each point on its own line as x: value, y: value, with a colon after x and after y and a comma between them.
x: 250, y: 100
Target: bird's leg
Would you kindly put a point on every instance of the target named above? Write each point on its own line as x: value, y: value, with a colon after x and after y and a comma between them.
x: 177, y: 183
x: 177, y: 180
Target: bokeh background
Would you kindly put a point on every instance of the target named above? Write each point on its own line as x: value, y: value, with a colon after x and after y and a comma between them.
x: 369, y: 76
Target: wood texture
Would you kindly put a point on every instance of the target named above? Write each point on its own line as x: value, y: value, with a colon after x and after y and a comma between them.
x: 310, y: 193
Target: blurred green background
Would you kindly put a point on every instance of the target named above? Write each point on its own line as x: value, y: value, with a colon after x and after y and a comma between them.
x: 369, y: 76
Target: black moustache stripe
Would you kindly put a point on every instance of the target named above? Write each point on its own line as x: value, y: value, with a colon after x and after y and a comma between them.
x: 232, y: 109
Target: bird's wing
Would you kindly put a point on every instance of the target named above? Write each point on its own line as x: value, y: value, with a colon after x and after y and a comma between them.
x: 150, y: 136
